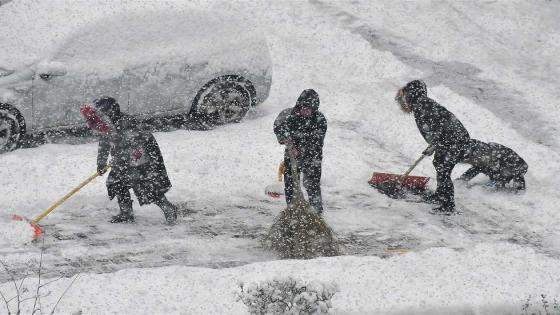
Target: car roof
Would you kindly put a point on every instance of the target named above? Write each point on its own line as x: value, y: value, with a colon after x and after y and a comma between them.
x: 35, y: 30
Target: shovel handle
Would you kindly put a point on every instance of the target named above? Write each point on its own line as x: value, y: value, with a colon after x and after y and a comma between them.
x: 405, y: 175
x: 295, y: 175
x: 68, y: 195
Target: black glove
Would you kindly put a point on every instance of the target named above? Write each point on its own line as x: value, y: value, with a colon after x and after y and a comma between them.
x: 429, y: 150
x: 101, y: 170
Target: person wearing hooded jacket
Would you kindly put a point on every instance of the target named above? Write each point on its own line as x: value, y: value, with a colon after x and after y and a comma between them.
x: 445, y: 134
x: 500, y: 163
x: 136, y: 162
x: 304, y: 128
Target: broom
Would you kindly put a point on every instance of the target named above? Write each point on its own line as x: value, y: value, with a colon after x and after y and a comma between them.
x: 299, y: 231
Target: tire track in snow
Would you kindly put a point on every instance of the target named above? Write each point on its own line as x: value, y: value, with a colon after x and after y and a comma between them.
x: 507, y: 104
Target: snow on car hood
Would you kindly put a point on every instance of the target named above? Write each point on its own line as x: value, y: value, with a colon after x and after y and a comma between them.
x: 35, y: 30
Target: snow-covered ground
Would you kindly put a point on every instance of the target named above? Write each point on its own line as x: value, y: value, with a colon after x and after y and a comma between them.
x: 485, y: 279
x: 494, y: 64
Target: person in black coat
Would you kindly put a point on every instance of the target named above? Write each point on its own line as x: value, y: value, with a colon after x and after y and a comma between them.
x: 304, y: 127
x: 447, y: 137
x: 136, y: 162
x: 500, y: 163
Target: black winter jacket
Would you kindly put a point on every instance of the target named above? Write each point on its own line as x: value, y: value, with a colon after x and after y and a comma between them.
x: 307, y: 133
x: 494, y: 160
x: 438, y: 126
x: 136, y: 161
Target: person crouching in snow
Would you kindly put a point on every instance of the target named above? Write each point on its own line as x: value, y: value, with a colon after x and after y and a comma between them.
x: 447, y: 137
x: 304, y: 127
x: 500, y: 163
x: 136, y: 161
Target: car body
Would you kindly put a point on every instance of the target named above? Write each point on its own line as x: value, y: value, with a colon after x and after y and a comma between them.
x: 156, y: 62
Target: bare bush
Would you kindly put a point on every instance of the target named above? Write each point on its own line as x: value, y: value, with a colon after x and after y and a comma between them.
x: 287, y: 297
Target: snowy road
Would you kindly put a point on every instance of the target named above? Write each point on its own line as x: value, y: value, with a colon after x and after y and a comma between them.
x: 461, y: 77
x: 357, y: 60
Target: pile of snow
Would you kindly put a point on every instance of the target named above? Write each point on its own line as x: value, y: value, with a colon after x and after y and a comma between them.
x: 487, y: 279
x: 15, y: 232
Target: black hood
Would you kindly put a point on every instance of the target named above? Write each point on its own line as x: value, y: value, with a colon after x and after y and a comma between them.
x: 308, y: 98
x: 414, y: 90
x: 108, y: 106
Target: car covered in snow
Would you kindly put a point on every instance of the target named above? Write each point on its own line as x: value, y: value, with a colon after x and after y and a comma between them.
x: 157, y: 59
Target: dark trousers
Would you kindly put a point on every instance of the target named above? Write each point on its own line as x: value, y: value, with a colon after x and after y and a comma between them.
x: 445, y: 159
x: 125, y: 202
x: 311, y: 169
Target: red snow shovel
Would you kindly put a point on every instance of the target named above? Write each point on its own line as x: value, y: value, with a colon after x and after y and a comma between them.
x: 396, y: 186
x: 37, y: 231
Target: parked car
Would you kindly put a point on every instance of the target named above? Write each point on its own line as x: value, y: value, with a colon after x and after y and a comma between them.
x: 158, y: 62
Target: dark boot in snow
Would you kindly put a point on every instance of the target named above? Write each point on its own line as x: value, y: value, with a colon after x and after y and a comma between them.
x: 443, y: 210
x: 125, y: 215
x: 122, y: 218
x: 431, y: 197
x: 169, y: 210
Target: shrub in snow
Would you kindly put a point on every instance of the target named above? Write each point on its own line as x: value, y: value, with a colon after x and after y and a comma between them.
x: 287, y: 296
x: 542, y: 307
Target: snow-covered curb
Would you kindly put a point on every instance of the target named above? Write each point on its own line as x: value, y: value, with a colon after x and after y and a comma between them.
x: 488, y: 279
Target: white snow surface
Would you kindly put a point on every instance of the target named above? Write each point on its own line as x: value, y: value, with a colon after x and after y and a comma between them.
x: 493, y: 64
x: 486, y: 279
x: 15, y: 231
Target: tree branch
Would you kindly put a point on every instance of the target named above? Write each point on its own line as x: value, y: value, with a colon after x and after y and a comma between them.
x: 64, y: 293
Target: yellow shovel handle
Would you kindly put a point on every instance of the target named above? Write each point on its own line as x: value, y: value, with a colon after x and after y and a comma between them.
x: 68, y: 195
x: 281, y: 168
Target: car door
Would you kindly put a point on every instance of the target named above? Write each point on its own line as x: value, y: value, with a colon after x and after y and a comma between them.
x: 148, y: 88
x: 57, y: 95
x: 98, y: 85
x: 74, y: 77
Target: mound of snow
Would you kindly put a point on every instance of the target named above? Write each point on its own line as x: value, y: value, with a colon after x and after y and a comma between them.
x: 13, y: 232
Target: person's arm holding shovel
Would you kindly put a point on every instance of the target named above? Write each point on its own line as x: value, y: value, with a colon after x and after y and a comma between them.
x: 102, y: 156
x: 429, y: 150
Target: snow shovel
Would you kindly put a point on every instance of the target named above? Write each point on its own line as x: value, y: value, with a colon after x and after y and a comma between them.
x: 397, y: 186
x: 37, y: 231
x: 276, y: 190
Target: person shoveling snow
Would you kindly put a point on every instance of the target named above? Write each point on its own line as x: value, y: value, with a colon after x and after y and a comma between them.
x: 300, y: 231
x: 304, y: 127
x: 136, y: 162
x: 446, y: 135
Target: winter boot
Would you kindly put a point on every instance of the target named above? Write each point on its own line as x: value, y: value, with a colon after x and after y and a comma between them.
x: 444, y: 210
x: 125, y: 215
x: 431, y: 197
x: 169, y: 210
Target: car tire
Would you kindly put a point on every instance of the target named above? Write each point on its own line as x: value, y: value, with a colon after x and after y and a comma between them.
x: 12, y: 128
x: 224, y: 100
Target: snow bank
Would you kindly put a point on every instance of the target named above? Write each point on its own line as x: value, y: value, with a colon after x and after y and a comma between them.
x: 487, y: 279
x: 13, y: 232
